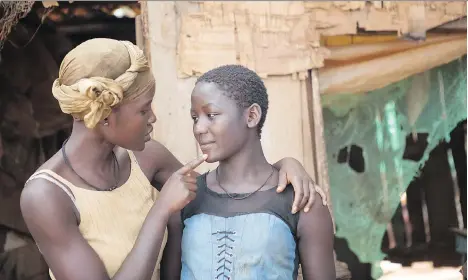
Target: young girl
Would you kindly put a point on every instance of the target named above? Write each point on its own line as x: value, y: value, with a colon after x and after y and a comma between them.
x: 238, y: 227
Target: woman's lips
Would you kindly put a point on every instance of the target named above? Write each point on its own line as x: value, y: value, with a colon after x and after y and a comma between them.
x: 150, y: 129
x: 148, y: 134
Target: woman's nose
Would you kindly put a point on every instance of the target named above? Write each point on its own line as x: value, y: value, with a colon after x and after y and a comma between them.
x: 152, y: 118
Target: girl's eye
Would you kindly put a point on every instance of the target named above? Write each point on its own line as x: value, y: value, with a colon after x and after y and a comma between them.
x: 144, y: 112
x: 195, y: 118
x: 211, y: 116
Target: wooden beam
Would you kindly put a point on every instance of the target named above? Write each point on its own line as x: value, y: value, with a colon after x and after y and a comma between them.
x: 416, y: 22
x: 456, y: 25
x: 140, y: 39
x: 95, y: 27
x: 316, y: 128
x: 142, y: 30
x: 314, y: 105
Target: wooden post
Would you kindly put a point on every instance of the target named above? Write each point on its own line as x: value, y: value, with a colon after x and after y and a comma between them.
x: 142, y: 30
x: 316, y: 127
x: 139, y: 32
x: 314, y: 106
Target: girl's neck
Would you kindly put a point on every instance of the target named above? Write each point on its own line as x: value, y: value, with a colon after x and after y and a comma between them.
x: 245, y: 166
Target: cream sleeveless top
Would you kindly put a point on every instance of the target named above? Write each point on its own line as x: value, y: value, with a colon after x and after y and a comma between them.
x: 111, y: 220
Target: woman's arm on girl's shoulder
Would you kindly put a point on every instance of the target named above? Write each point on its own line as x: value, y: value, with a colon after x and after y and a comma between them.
x: 305, y: 189
x: 161, y: 163
x: 315, y: 241
x: 291, y: 171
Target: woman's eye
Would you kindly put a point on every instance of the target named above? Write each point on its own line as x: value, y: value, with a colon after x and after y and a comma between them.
x: 211, y: 116
x: 195, y: 118
x: 144, y: 112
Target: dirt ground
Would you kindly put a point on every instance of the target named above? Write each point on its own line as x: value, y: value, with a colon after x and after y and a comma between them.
x: 420, y: 271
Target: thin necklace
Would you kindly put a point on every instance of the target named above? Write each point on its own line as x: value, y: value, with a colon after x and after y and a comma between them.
x: 246, y: 195
x: 116, y: 163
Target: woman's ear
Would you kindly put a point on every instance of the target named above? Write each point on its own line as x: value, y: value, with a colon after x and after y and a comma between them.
x: 254, y: 114
x: 113, y: 119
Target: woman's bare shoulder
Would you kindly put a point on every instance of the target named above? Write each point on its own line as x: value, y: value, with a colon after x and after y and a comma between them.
x: 45, y: 206
x: 49, y: 215
x: 39, y: 191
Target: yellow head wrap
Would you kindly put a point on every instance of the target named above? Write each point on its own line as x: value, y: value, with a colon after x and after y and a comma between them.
x: 97, y: 75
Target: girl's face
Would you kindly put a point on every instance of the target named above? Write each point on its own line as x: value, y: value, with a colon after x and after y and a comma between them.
x: 219, y: 125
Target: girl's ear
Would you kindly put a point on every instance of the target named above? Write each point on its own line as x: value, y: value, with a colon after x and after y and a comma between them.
x: 254, y: 113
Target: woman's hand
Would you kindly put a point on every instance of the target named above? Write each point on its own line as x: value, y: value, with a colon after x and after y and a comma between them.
x: 292, y: 172
x: 180, y: 188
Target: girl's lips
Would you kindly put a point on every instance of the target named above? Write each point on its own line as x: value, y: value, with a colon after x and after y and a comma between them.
x: 206, y: 146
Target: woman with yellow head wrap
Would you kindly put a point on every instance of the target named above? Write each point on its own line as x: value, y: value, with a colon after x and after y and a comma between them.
x: 91, y: 207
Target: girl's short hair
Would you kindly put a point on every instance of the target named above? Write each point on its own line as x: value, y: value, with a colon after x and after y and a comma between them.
x: 240, y: 84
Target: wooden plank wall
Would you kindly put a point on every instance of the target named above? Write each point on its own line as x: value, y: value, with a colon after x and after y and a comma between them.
x: 287, y: 129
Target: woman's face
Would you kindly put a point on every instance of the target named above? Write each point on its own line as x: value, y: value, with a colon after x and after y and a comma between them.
x: 130, y: 124
x: 218, y: 124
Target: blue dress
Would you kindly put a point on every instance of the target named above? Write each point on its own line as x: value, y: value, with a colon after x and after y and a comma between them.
x: 253, y: 238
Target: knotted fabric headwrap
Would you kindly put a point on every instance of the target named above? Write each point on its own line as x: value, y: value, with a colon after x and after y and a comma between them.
x: 97, y: 75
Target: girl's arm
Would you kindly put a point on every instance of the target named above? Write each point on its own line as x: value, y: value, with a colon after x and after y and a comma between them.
x: 171, y: 265
x: 315, y: 242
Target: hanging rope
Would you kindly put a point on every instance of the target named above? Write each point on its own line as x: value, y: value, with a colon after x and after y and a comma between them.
x: 11, y: 12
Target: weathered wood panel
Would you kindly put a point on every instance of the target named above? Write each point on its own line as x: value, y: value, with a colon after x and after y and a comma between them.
x: 280, y: 38
x: 172, y: 99
x: 282, y: 134
x: 287, y: 118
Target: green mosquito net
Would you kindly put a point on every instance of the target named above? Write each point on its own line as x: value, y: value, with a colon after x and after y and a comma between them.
x: 365, y: 200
